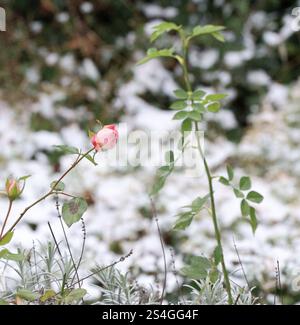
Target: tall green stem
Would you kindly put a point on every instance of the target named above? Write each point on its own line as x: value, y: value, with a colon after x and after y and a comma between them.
x: 214, y: 218
x: 185, y: 43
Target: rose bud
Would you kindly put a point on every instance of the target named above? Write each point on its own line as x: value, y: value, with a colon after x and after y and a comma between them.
x: 106, y: 138
x: 13, y: 189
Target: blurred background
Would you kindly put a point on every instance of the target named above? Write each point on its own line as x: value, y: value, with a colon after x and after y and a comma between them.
x: 64, y: 64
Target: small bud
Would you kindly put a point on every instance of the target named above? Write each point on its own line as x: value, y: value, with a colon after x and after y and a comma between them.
x: 13, y: 189
x: 106, y: 138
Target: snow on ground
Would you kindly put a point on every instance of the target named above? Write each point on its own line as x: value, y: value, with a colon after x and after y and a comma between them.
x: 269, y: 152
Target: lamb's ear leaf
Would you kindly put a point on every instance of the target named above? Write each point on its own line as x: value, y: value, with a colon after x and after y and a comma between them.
x: 27, y: 295
x: 7, y: 255
x: 74, y: 295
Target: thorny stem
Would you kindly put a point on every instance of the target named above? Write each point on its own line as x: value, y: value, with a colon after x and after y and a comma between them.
x: 77, y: 161
x: 6, y: 218
x: 185, y: 45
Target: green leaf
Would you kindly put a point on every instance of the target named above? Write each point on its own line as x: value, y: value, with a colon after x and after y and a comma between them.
x: 158, y: 185
x: 255, y: 197
x: 183, y: 221
x: 7, y: 255
x: 199, y: 107
x: 198, y: 94
x: 27, y: 295
x: 47, y: 295
x: 218, y: 36
x: 3, y: 252
x: 198, y: 203
x: 180, y: 115
x: 181, y: 94
x: 162, y: 28
x: 245, y: 183
x: 238, y: 193
x: 179, y: 104
x: 74, y: 296
x: 160, y: 178
x: 253, y: 219
x: 163, y: 171
x: 207, y: 29
x: 7, y: 238
x: 245, y: 209
x: 224, y: 181
x: 230, y: 172
x: 197, y: 269
x: 217, y: 255
x: 213, y: 107
x: 194, y: 115
x: 186, y: 125
x: 215, y: 97
x: 67, y: 150
x: 154, y: 53
x: 91, y: 159
x: 59, y: 187
x: 73, y: 210
x: 24, y: 178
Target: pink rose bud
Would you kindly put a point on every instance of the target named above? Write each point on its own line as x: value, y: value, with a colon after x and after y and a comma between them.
x: 13, y: 190
x: 106, y: 138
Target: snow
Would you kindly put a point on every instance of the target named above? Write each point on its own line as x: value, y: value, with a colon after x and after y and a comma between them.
x: 204, y: 59
x: 153, y: 11
x: 62, y: 17
x: 268, y: 152
x: 86, y: 7
x: 89, y: 70
x: 258, y: 78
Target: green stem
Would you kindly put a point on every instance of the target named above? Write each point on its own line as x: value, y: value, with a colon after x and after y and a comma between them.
x: 214, y: 218
x: 6, y: 218
x: 185, y: 45
x: 77, y: 161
